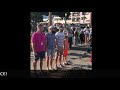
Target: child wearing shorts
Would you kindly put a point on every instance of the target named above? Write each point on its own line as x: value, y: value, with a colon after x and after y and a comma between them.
x: 66, y: 47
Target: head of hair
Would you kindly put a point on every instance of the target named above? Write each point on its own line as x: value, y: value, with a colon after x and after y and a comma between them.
x: 39, y: 24
x: 51, y: 27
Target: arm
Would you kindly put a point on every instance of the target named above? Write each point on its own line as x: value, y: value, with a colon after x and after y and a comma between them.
x: 33, y: 47
x: 33, y: 43
x: 64, y: 44
x: 89, y: 40
x: 56, y: 43
x: 46, y: 44
x: 68, y: 45
x: 56, y: 40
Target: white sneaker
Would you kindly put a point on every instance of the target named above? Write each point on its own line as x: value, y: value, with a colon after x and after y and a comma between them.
x: 55, y: 67
x: 47, y: 69
x: 60, y: 66
x: 50, y: 68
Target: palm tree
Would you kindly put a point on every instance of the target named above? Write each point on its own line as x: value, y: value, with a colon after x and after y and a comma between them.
x: 50, y: 18
x: 83, y: 18
x: 90, y: 18
x: 65, y: 18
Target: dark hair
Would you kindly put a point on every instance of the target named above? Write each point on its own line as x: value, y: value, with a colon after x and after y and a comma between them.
x: 66, y: 36
x: 60, y: 26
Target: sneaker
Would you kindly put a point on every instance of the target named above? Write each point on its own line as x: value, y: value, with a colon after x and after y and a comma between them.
x: 55, y: 67
x: 47, y: 69
x: 63, y: 65
x: 69, y: 61
x: 60, y: 66
x: 50, y: 68
x: 67, y: 64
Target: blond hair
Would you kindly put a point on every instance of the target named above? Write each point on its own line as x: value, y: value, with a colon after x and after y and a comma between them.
x: 39, y: 24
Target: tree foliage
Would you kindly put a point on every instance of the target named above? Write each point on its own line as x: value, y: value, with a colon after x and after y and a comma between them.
x: 37, y: 17
x: 60, y: 14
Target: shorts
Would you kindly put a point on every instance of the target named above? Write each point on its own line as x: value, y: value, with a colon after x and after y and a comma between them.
x: 50, y: 52
x: 65, y: 52
x: 60, y: 51
x: 40, y: 55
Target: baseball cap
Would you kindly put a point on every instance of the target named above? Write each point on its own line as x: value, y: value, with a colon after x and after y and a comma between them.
x: 51, y: 27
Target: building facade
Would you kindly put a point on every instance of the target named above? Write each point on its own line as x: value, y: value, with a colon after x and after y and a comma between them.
x: 75, y: 17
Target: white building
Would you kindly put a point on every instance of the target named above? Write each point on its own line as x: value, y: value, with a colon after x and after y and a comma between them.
x: 75, y: 17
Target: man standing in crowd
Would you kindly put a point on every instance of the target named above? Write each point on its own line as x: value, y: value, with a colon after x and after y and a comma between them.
x: 82, y: 36
x: 59, y: 46
x: 86, y: 34
x: 50, y: 36
x: 76, y: 36
x: 39, y: 46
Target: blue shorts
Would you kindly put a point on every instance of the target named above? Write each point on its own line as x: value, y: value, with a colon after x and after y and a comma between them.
x: 40, y: 55
x: 50, y: 52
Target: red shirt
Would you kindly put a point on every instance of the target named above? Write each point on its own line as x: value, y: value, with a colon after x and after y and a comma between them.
x: 39, y: 40
x: 66, y: 44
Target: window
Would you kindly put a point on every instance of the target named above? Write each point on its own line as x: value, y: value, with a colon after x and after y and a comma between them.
x: 73, y: 19
x: 85, y: 13
x: 72, y: 14
x: 69, y: 18
x: 75, y: 14
x: 77, y: 19
x: 57, y: 19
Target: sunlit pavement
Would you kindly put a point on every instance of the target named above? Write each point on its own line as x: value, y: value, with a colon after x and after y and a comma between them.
x: 79, y: 58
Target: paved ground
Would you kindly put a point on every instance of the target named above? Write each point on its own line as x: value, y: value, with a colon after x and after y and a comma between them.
x: 79, y: 58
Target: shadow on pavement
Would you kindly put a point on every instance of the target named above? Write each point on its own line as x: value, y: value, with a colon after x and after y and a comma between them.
x: 75, y: 72
x: 79, y: 55
x: 75, y: 54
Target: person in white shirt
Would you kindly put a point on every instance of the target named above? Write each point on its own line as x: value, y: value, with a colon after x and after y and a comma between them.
x: 60, y: 36
x: 86, y: 34
x: 76, y: 36
x: 90, y: 33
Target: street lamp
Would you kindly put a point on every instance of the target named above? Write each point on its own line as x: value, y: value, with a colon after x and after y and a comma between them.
x: 50, y: 18
x: 65, y: 19
x: 90, y: 18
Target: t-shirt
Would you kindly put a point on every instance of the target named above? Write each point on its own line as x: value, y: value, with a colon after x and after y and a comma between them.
x: 60, y: 38
x: 50, y: 40
x: 66, y: 44
x: 39, y: 39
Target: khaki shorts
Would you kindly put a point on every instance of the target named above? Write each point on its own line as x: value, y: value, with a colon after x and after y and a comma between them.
x: 60, y: 51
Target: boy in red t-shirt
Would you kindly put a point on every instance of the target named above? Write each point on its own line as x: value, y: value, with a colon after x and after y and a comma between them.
x: 66, y: 47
